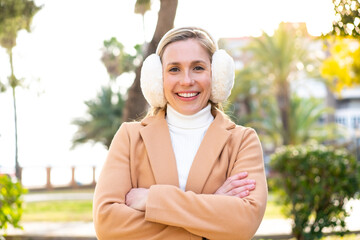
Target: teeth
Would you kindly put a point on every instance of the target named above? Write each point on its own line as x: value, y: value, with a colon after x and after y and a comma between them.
x: 187, y: 95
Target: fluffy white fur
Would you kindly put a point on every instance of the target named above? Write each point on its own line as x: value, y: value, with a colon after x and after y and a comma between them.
x: 223, y: 73
x: 151, y: 81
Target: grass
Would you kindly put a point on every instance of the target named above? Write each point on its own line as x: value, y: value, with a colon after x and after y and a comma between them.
x: 81, y: 210
x: 58, y: 211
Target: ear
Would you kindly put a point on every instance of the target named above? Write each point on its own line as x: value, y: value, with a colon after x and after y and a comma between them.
x: 151, y: 81
x: 223, y: 74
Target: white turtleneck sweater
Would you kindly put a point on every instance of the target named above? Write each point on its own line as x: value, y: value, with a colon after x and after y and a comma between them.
x: 187, y: 132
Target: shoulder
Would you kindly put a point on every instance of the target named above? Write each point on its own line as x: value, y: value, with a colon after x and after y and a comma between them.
x: 134, y: 128
x: 240, y: 134
x: 239, y: 129
x: 128, y: 130
x: 131, y: 126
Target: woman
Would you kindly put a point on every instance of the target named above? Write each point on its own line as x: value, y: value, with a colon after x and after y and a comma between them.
x: 185, y: 171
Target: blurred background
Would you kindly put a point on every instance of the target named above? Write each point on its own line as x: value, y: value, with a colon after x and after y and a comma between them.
x: 69, y: 76
x: 61, y: 65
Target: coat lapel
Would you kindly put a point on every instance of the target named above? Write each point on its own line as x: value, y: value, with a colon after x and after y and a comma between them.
x: 156, y: 137
x: 210, y: 148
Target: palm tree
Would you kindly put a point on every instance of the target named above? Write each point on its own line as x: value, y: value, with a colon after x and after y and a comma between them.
x: 15, y: 15
x: 105, y: 111
x: 116, y: 60
x: 104, y: 118
x: 278, y: 58
x: 141, y: 7
x: 306, y: 115
x: 136, y: 105
x: 247, y: 96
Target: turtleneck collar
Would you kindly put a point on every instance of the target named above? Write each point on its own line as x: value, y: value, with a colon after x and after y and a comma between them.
x: 198, y: 120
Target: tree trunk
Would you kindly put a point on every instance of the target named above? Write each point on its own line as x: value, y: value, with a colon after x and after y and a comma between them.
x: 13, y: 83
x: 136, y: 105
x: 17, y: 166
x: 283, y: 101
x: 247, y: 106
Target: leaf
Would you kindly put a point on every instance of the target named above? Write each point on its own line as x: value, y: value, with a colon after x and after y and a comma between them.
x: 10, y: 202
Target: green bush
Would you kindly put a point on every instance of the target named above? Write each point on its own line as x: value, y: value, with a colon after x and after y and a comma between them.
x: 10, y: 202
x: 313, y: 183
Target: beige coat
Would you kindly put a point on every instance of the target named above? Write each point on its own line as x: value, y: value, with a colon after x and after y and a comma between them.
x: 141, y: 156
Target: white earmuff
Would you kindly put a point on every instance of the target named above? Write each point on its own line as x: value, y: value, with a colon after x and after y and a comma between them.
x: 151, y: 81
x: 223, y: 74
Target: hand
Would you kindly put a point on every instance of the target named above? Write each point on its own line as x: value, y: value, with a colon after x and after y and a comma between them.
x: 237, y: 186
x: 136, y: 198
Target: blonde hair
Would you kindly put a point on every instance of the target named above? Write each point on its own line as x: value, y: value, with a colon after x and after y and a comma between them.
x: 182, y: 34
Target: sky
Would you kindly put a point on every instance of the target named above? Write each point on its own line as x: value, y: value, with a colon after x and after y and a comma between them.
x: 61, y: 67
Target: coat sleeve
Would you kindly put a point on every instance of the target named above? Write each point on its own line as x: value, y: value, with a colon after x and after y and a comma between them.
x: 215, y: 216
x: 112, y: 218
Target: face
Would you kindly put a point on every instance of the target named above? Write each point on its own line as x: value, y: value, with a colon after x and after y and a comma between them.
x: 187, y: 76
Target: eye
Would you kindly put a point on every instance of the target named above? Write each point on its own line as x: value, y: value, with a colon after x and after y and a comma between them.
x: 198, y: 68
x: 174, y: 69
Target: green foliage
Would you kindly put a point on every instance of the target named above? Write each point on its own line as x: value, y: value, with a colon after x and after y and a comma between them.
x: 274, y: 62
x: 304, y: 122
x: 10, y: 202
x: 104, y: 118
x: 247, y: 95
x: 142, y: 6
x: 347, y: 21
x: 278, y: 56
x: 15, y: 15
x: 117, y: 60
x: 2, y: 87
x: 105, y: 112
x: 314, y: 182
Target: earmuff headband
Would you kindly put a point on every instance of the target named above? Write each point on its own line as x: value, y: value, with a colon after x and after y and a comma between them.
x: 223, y: 74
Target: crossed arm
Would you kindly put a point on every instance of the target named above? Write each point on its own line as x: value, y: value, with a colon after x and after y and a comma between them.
x: 236, y: 186
x: 234, y: 211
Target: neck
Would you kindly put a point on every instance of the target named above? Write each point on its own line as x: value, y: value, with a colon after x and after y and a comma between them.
x: 197, y: 120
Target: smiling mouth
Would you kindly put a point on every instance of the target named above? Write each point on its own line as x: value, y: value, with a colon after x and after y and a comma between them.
x: 188, y: 95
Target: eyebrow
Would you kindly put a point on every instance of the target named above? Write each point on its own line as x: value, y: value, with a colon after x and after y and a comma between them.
x: 193, y: 62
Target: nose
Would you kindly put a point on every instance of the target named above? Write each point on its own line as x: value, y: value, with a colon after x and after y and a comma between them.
x: 187, y: 79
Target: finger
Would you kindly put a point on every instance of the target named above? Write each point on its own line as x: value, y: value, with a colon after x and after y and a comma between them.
x: 127, y: 199
x: 237, y: 176
x: 229, y: 183
x: 240, y: 191
x: 243, y: 194
x: 238, y: 183
x: 225, y: 187
x: 240, y: 175
x: 130, y: 197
